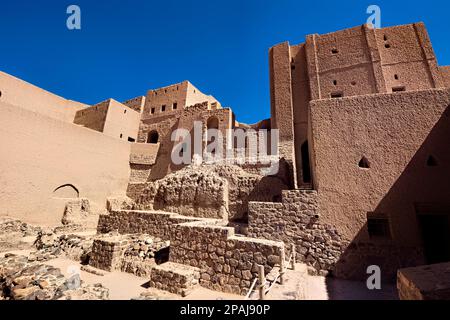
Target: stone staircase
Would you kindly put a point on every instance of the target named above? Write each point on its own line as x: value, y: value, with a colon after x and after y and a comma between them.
x: 175, y: 278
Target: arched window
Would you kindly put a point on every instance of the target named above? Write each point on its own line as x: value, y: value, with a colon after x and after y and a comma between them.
x: 66, y: 191
x: 364, y: 163
x: 153, y: 137
x: 212, y: 123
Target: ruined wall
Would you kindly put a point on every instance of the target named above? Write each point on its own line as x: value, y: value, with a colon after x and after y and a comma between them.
x: 19, y: 93
x: 296, y: 220
x: 227, y: 263
x: 445, y: 73
x: 46, y: 154
x: 157, y: 224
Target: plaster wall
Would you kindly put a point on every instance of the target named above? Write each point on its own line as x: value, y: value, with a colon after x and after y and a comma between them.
x: 43, y: 154
x: 397, y: 133
x: 17, y: 92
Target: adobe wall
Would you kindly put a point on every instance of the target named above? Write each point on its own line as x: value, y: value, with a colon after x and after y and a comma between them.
x: 397, y: 133
x: 445, y: 72
x: 19, y: 93
x: 93, y: 117
x: 137, y: 104
x: 43, y: 154
x: 227, y: 263
x: 121, y: 122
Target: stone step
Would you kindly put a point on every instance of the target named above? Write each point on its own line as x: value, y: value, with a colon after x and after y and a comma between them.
x: 175, y: 278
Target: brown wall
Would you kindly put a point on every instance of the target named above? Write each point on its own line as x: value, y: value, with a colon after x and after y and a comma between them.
x: 397, y: 133
x: 39, y: 154
x: 17, y: 92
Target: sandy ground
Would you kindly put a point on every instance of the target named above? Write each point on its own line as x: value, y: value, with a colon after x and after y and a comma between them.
x: 125, y: 286
x: 298, y: 286
x: 321, y: 288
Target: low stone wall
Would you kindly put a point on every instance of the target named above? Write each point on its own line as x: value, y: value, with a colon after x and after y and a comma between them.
x: 227, y: 262
x: 175, y: 278
x: 107, y: 253
x: 430, y: 282
x: 155, y: 223
x: 296, y: 221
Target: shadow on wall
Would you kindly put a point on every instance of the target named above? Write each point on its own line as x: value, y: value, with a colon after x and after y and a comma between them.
x: 66, y: 191
x: 399, y: 238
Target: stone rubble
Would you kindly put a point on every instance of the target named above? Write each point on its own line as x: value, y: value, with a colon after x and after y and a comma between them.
x: 22, y: 279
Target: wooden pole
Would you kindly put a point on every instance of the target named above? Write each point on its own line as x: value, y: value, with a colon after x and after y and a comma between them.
x: 282, y: 266
x: 262, y: 283
x: 293, y: 252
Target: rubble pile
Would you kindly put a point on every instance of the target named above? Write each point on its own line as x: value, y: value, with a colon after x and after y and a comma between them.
x: 22, y: 279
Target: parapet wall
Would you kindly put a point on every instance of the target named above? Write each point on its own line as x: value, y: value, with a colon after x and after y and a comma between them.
x: 227, y: 263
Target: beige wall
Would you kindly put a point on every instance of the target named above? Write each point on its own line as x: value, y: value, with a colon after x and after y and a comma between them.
x: 40, y: 154
x: 20, y: 93
x: 396, y: 133
x: 112, y: 118
x: 121, y: 122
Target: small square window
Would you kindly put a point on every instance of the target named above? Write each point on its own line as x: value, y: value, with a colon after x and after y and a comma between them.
x: 130, y: 139
x: 378, y: 226
x: 175, y: 106
x: 399, y: 89
x: 163, y: 108
x: 335, y: 95
x: 124, y: 111
x: 152, y: 111
x: 334, y: 51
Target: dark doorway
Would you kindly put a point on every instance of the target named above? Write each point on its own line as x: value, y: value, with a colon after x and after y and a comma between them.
x: 436, y: 237
x: 305, y: 163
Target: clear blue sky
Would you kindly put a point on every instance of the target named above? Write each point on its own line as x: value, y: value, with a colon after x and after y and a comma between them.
x: 128, y: 47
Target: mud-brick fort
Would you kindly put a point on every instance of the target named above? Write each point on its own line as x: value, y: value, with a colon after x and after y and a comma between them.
x: 364, y: 168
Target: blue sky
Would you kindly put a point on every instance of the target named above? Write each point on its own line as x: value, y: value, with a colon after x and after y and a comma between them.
x: 128, y: 47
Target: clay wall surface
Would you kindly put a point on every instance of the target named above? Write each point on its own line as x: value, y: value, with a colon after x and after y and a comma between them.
x: 166, y: 96
x: 406, y: 53
x: 137, y: 104
x: 121, y: 122
x: 46, y: 154
x: 227, y: 263
x: 397, y: 133
x: 19, y: 93
x: 445, y: 72
x: 93, y: 117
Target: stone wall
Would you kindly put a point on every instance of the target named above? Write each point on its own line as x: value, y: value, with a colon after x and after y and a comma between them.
x: 430, y: 282
x: 157, y: 224
x: 227, y: 263
x: 190, y: 192
x: 296, y: 221
x: 107, y: 253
